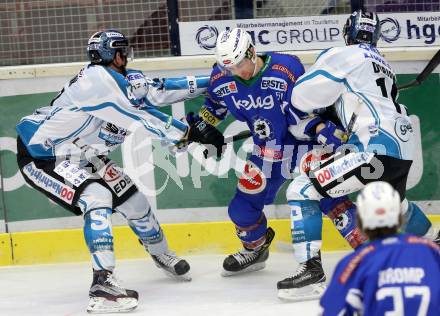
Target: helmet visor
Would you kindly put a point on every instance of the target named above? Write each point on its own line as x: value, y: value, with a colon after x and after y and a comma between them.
x: 121, y: 45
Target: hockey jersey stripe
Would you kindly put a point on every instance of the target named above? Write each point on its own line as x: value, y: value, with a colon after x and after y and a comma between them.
x: 123, y: 111
x: 75, y: 133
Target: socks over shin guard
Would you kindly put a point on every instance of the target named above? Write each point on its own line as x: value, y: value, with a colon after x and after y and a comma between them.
x: 254, y: 236
x: 306, y: 228
x: 416, y: 221
x: 99, y: 238
x: 149, y: 233
x: 342, y: 213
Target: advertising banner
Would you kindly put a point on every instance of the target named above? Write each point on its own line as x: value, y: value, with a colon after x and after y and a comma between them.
x: 311, y: 32
x: 187, y: 180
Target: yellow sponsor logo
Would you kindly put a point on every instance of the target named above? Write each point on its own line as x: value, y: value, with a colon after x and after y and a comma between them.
x: 208, y: 117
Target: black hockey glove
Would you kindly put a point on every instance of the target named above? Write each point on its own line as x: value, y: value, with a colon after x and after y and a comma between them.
x: 204, y: 133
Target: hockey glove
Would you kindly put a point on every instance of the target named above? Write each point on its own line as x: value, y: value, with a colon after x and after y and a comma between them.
x: 204, y: 133
x: 331, y: 135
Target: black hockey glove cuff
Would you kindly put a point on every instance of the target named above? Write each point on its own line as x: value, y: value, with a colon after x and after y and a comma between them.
x: 204, y: 133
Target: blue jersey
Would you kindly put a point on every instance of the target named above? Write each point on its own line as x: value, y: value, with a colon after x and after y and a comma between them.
x: 262, y: 102
x: 399, y: 275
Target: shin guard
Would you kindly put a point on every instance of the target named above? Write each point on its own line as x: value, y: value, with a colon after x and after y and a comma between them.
x: 253, y: 237
x: 99, y: 238
x: 342, y: 213
x: 306, y: 228
x: 416, y: 221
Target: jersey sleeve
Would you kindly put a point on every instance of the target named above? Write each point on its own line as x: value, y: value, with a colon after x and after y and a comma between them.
x: 325, y: 81
x: 339, y: 297
x: 214, y: 109
x: 165, y: 91
x: 112, y: 102
x: 301, y: 124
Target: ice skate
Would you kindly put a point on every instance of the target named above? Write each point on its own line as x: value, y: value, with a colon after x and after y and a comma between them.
x: 308, y: 283
x: 173, y: 266
x: 248, y: 260
x: 437, y: 239
x: 107, y: 296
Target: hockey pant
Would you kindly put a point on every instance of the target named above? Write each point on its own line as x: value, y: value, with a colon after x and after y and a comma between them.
x: 341, y: 175
x: 96, y: 205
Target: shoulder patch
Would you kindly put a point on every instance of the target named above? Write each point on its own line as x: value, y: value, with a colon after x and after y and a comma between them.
x: 354, y: 263
x: 217, y: 76
x: 423, y: 241
x: 285, y: 70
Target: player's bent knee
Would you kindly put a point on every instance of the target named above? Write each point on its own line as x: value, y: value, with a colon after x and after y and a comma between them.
x: 95, y: 196
x: 136, y: 207
x: 298, y: 189
x: 243, y: 212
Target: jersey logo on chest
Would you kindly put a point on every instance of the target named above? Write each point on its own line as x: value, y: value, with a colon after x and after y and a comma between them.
x: 263, y: 128
x: 274, y: 83
x: 225, y: 89
x: 249, y: 103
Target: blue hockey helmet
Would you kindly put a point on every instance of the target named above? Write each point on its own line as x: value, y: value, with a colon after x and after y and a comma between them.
x: 103, y: 45
x: 362, y: 27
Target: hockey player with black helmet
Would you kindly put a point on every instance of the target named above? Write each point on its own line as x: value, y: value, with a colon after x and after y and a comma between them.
x: 362, y: 86
x: 63, y: 149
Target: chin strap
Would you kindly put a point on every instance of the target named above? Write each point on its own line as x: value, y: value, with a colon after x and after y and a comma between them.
x: 255, y: 61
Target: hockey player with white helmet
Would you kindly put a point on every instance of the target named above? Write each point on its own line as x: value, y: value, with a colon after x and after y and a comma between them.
x: 63, y: 148
x: 256, y: 89
x: 362, y: 86
x: 393, y: 273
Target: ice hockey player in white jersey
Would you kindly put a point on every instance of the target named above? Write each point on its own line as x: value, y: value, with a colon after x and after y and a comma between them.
x: 63, y: 148
x: 362, y: 86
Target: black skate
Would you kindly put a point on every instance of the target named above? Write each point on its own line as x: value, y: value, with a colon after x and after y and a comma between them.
x: 308, y: 283
x: 248, y: 260
x: 107, y: 296
x: 172, y: 265
x: 437, y: 239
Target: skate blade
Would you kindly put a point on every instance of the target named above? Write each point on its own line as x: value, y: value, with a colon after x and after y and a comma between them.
x: 181, y: 278
x: 100, y: 305
x: 306, y: 293
x: 252, y: 268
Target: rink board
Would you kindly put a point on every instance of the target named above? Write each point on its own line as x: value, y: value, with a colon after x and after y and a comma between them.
x: 57, y: 246
x: 31, y: 218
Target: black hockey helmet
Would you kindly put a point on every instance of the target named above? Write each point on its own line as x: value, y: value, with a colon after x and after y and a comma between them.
x: 362, y: 27
x: 102, y: 46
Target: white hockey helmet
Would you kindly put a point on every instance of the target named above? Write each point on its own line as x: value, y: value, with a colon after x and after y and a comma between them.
x: 232, y: 47
x: 378, y: 205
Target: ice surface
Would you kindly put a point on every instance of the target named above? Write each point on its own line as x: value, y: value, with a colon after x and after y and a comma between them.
x: 63, y: 289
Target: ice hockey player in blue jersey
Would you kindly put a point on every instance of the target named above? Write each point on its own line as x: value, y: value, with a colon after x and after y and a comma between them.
x: 256, y: 89
x: 393, y: 273
x: 63, y: 148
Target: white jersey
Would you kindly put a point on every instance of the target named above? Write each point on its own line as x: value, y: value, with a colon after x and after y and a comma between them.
x: 95, y: 111
x: 362, y: 85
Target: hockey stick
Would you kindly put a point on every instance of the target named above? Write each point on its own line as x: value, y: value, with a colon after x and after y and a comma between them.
x: 429, y: 68
x: 433, y: 63
x: 231, y: 139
